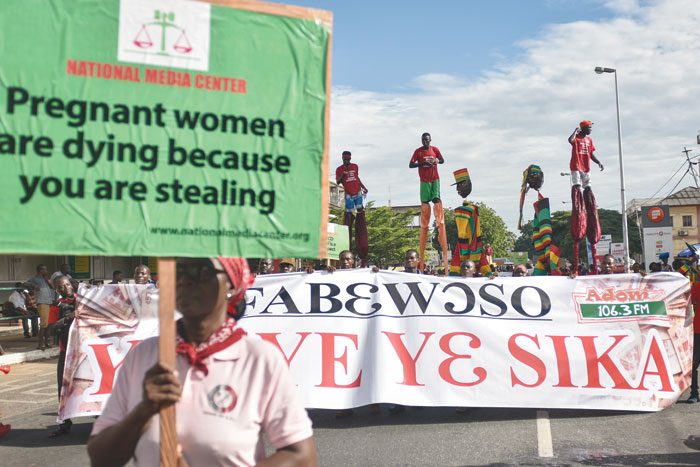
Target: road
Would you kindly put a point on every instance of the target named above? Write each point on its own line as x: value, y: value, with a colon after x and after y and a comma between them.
x: 429, y: 436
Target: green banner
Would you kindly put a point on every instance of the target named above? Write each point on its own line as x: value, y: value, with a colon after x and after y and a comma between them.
x: 161, y: 128
x: 79, y: 267
x: 519, y: 257
x: 623, y: 310
x: 338, y: 240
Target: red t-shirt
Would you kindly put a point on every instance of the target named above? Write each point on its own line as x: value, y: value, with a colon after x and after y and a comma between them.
x: 695, y: 300
x: 427, y: 174
x: 351, y: 182
x: 581, y: 150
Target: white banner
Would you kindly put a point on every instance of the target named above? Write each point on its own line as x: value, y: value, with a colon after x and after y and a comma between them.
x: 353, y: 338
x: 113, y: 319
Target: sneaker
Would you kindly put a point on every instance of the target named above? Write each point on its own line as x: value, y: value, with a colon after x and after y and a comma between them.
x: 693, y: 399
x: 4, y: 429
x: 5, y: 369
x: 27, y: 336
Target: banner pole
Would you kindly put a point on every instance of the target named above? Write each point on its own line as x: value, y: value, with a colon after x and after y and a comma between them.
x: 166, y: 354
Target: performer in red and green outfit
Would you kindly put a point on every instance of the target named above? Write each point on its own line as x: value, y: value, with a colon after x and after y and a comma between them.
x: 469, y: 244
x: 426, y: 158
x: 547, y: 253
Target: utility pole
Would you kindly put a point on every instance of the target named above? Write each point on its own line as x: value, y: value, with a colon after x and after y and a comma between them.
x: 690, y: 165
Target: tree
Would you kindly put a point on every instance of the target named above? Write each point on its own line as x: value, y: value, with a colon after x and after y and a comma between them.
x: 524, y: 241
x: 493, y: 231
x: 390, y: 234
x: 610, y: 224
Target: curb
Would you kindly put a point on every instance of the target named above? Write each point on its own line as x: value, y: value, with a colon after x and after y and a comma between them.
x: 21, y: 357
x: 11, y: 330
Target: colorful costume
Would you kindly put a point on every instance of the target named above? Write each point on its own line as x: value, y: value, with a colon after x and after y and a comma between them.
x: 547, y: 253
x: 469, y: 244
x: 690, y: 273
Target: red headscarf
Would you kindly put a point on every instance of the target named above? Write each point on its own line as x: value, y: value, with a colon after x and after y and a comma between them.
x: 240, y: 276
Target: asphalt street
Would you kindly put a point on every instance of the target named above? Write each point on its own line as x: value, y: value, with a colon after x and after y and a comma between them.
x: 420, y: 437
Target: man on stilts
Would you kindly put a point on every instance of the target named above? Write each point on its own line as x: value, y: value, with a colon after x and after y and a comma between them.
x: 347, y: 174
x: 584, y: 211
x: 426, y: 158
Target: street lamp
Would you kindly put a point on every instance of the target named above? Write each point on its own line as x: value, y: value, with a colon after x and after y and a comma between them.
x: 600, y: 70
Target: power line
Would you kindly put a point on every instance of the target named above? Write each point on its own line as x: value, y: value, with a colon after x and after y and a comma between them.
x: 687, y: 151
x: 668, y: 180
x: 679, y: 182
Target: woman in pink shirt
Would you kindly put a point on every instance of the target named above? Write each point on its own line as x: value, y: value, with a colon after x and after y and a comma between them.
x: 227, y: 388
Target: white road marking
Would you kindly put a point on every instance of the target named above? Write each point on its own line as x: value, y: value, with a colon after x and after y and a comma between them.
x: 35, y: 401
x: 11, y: 387
x: 544, y: 435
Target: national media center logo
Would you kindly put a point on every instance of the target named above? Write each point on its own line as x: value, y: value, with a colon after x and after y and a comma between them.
x: 166, y: 33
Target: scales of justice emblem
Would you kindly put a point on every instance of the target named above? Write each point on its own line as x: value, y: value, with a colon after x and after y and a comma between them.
x: 163, y: 20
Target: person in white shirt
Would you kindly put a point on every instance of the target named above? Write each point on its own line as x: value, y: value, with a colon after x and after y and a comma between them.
x: 228, y: 389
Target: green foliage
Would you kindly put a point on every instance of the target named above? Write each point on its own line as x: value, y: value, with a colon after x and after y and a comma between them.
x: 610, y: 224
x: 493, y: 231
x: 450, y: 231
x: 524, y: 241
x: 389, y: 232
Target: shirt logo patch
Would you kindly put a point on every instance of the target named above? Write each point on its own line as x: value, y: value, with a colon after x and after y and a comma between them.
x: 222, y: 398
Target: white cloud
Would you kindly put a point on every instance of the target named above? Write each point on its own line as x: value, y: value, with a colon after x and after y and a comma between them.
x: 524, y: 111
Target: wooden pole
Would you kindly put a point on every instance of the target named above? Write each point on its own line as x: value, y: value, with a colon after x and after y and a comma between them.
x: 166, y: 354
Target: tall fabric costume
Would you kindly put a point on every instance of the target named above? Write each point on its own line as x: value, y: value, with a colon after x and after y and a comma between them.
x: 469, y: 243
x: 354, y: 209
x: 584, y: 210
x: 547, y: 253
x: 361, y: 238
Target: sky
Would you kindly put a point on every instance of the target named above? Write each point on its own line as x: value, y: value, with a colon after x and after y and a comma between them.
x: 501, y: 85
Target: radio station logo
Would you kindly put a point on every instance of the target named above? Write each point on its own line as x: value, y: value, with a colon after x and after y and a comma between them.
x: 613, y: 304
x: 168, y: 33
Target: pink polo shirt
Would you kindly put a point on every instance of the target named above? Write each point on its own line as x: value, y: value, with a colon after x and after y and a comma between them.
x: 220, y: 417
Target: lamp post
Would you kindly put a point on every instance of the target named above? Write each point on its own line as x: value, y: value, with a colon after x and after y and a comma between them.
x: 600, y: 70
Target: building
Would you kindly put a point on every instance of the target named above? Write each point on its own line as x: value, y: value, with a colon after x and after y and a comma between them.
x: 684, y: 208
x: 337, y: 194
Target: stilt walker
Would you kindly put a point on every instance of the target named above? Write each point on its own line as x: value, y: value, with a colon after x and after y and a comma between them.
x: 348, y: 175
x: 469, y: 244
x: 584, y: 210
x: 547, y: 253
x: 426, y: 158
